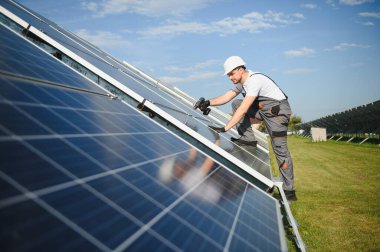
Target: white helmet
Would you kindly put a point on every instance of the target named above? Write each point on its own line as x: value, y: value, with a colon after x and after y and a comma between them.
x: 231, y: 63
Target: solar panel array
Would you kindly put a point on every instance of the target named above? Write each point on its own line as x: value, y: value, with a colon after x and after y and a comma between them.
x: 348, y: 121
x: 83, y: 170
x: 118, y: 74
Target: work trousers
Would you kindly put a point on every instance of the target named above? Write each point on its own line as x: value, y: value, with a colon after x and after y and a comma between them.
x: 277, y: 127
x: 244, y: 128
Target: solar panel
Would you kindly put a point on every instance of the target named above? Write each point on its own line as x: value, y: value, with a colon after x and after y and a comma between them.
x: 81, y: 170
x: 256, y: 160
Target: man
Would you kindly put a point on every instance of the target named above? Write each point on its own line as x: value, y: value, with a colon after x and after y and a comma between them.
x: 263, y: 101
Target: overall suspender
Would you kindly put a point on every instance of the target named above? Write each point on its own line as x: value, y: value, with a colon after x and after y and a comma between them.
x: 272, y: 81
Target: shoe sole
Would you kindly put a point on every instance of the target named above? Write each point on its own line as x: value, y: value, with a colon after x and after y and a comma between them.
x: 242, y: 142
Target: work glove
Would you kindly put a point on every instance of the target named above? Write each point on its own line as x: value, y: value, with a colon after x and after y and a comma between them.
x: 217, y: 129
x: 204, y: 104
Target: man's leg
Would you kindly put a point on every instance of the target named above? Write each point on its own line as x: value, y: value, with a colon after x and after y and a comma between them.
x: 244, y: 127
x: 277, y: 128
x: 284, y: 161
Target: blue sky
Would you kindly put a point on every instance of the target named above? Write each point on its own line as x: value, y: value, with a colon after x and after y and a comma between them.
x: 323, y: 54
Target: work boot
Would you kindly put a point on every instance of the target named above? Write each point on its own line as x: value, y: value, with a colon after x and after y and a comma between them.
x: 242, y: 141
x: 290, y: 195
x: 247, y: 136
x: 270, y: 190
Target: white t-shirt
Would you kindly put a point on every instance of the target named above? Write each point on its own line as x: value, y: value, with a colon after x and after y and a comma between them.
x: 258, y: 84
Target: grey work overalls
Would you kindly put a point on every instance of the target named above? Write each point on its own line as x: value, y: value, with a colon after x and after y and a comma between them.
x: 276, y: 116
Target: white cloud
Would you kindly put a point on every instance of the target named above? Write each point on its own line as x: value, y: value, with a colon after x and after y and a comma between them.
x: 198, y: 67
x: 196, y: 72
x: 176, y: 28
x: 144, y: 7
x: 207, y: 63
x: 303, y: 52
x: 190, y: 78
x: 348, y: 2
x: 367, y: 23
x: 358, y: 64
x: 345, y: 46
x: 330, y: 2
x: 252, y: 22
x: 309, y: 6
x: 354, y: 2
x: 370, y: 14
x: 300, y: 70
x: 102, y: 39
x: 91, y: 6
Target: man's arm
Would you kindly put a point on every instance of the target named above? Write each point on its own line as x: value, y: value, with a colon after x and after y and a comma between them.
x: 223, y: 99
x: 240, y: 112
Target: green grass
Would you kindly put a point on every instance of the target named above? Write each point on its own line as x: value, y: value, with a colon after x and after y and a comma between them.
x: 338, y: 190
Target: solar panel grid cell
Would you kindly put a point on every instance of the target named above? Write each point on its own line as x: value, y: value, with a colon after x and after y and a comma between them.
x: 35, y: 220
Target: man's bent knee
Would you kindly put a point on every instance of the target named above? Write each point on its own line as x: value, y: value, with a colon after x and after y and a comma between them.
x: 235, y: 104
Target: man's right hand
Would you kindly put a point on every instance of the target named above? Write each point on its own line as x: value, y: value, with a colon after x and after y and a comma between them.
x: 204, y: 104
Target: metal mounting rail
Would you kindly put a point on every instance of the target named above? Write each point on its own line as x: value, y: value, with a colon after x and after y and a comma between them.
x: 300, y: 243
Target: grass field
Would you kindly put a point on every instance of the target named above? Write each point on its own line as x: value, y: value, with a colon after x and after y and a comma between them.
x: 338, y: 190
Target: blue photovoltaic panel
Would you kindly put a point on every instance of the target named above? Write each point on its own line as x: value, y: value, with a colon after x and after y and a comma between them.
x: 256, y: 158
x: 82, y: 172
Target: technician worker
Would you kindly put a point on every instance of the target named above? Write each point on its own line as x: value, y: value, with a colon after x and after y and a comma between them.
x: 263, y: 101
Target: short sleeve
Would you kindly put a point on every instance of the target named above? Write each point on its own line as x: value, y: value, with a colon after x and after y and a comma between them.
x: 238, y: 88
x: 252, y: 86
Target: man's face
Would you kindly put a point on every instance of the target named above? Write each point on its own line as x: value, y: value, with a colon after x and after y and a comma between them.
x: 235, y: 75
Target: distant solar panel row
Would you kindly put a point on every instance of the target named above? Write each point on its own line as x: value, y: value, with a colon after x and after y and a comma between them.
x: 82, y: 172
x: 348, y: 121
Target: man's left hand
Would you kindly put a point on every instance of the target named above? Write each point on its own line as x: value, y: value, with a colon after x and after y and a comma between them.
x: 218, y: 129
